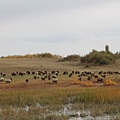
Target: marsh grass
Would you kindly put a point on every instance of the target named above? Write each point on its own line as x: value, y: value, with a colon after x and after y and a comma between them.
x: 99, y: 101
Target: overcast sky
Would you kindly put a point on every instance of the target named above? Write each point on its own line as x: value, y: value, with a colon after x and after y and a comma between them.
x: 61, y: 27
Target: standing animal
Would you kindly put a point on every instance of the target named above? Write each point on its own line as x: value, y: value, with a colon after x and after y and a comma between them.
x: 8, y: 80
x: 26, y: 80
x: 100, y: 79
x: 54, y: 80
x: 1, y: 79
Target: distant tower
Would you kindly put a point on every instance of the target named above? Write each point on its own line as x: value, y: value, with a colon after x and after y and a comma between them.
x: 107, y: 48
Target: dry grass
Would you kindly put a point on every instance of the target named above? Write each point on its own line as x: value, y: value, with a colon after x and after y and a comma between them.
x: 12, y: 65
x: 109, y: 82
x: 19, y: 93
x: 23, y: 64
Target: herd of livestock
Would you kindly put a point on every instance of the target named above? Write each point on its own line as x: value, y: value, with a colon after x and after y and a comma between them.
x: 53, y: 75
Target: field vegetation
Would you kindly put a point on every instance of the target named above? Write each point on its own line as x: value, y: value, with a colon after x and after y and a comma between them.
x: 39, y: 100
x: 70, y: 58
x: 38, y: 55
x: 99, y: 58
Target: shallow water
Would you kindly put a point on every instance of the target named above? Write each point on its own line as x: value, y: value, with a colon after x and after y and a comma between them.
x: 66, y: 111
x: 75, y: 115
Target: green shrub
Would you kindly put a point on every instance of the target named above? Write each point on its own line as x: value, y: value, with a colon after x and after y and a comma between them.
x: 71, y: 58
x: 45, y: 55
x: 99, y: 58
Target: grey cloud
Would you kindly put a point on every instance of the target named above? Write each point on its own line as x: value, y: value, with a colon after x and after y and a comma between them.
x: 11, y: 9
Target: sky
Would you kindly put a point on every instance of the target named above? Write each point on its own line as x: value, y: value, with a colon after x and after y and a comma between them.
x: 61, y: 27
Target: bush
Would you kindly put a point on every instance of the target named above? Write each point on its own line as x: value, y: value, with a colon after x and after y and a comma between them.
x: 99, y: 58
x: 109, y: 82
x: 71, y: 58
x: 45, y: 55
x: 42, y: 55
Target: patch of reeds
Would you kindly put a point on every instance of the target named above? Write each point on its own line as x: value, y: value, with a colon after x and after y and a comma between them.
x: 106, y: 99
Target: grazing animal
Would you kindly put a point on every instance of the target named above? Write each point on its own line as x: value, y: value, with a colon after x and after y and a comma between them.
x: 35, y: 77
x: 28, y: 72
x: 13, y: 74
x: 79, y: 79
x: 26, y: 80
x: 33, y: 73
x: 65, y: 72
x: 54, y: 76
x: 70, y: 75
x: 43, y: 78
x: 53, y: 72
x: 4, y: 74
x: 54, y: 80
x: 77, y: 72
x: 100, y: 79
x: 103, y: 76
x: 95, y: 76
x: 89, y: 78
x: 22, y: 73
x: 8, y: 80
x: 49, y: 76
x: 73, y: 72
x: 1, y: 79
